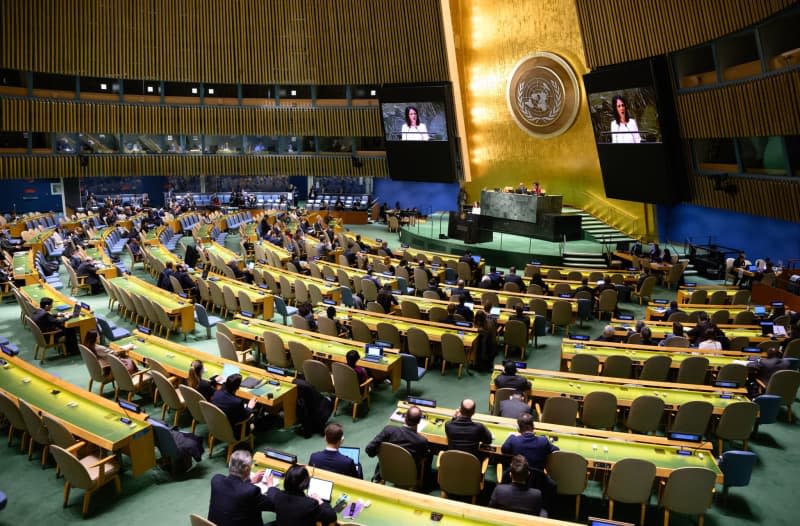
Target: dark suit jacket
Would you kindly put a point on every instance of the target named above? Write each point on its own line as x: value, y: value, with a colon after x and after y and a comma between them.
x: 163, y: 279
x: 517, y: 280
x: 236, y: 502
x: 336, y: 462
x: 298, y: 510
x: 534, y: 448
x: 513, y: 408
x: 46, y: 321
x: 465, y: 435
x: 404, y: 437
x: 519, y: 383
x: 232, y: 406
x: 518, y: 498
x: 87, y: 269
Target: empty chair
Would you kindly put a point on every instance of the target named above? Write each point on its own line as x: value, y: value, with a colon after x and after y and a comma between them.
x: 300, y: 323
x: 688, y: 491
x: 13, y: 417
x: 718, y: 297
x: 192, y: 397
x: 720, y: 317
x: 275, y: 350
x: 96, y: 373
x: 678, y: 316
x: 418, y: 344
x: 693, y: 370
x: 515, y: 337
x: 389, y: 333
x: 739, y: 342
x: 678, y: 341
x: 792, y: 350
x: 453, y: 352
x: 733, y: 372
x: 768, y: 408
x: 282, y: 309
x: 227, y: 349
x: 87, y: 473
x: 461, y: 473
x: 126, y: 381
x: 656, y: 368
x: 437, y: 314
x: 617, y: 366
x: 347, y: 388
x: 360, y: 331
x: 745, y: 317
x: 692, y: 418
x: 645, y: 414
x: 327, y: 326
x: 110, y: 331
x: 784, y: 384
x: 736, y: 423
x: 646, y: 290
x: 568, y: 470
x: 317, y: 374
x: 220, y: 429
x: 37, y: 433
x: 635, y: 338
x: 374, y: 306
x: 204, y: 319
x: 560, y: 410
x: 299, y: 353
x: 398, y: 466
x: 599, y: 410
x: 630, y: 482
x: 607, y: 303
x: 231, y: 301
x: 698, y: 297
x: 737, y: 467
x: 584, y: 364
x: 411, y: 371
x: 410, y: 309
x: 562, y: 315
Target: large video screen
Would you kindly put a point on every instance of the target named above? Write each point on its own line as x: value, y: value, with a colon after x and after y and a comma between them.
x: 419, y: 132
x: 625, y: 116
x: 414, y: 121
x: 636, y: 131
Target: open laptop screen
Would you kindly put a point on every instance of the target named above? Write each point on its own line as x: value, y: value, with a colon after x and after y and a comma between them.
x: 353, y: 453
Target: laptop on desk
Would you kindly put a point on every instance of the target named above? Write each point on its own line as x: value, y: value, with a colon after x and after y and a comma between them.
x: 353, y: 453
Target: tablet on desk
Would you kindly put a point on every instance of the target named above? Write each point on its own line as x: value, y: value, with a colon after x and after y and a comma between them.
x: 321, y: 488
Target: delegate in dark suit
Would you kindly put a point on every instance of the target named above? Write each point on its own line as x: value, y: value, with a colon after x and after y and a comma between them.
x: 299, y: 510
x: 236, y: 502
x: 232, y: 406
x: 331, y: 460
x: 516, y: 497
x: 404, y: 437
x: 465, y: 435
x: 533, y: 448
x: 510, y: 379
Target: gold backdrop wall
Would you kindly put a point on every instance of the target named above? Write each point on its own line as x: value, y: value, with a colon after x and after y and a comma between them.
x: 491, y: 37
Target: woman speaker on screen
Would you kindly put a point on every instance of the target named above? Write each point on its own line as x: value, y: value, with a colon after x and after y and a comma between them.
x: 623, y: 127
x: 413, y: 130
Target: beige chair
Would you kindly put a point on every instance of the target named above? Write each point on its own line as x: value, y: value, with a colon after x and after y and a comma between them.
x: 88, y: 473
x: 635, y: 338
x: 374, y: 306
x: 176, y: 285
x: 315, y: 294
x: 389, y: 333
x: 617, y: 366
x: 77, y: 283
x: 171, y: 396
x: 607, y: 303
x: 792, y: 350
x: 44, y: 341
x: 568, y: 470
x: 784, y: 384
x: 533, y: 288
x: 10, y: 409
x: 300, y: 292
x: 718, y: 297
x: 275, y: 350
x: 192, y: 398
x: 515, y: 336
x: 693, y: 370
x: 678, y: 341
x: 299, y: 322
x: 96, y: 373
x: 327, y: 326
x: 720, y: 317
x: 37, y: 433
x: 559, y: 410
x: 347, y: 388
x: 231, y: 301
x: 645, y: 414
x: 126, y: 381
x: 698, y: 297
x: 246, y: 304
x: 736, y: 423
x: 318, y: 375
x: 220, y: 429
x: 197, y: 520
x: 460, y: 473
x: 656, y: 368
x: 299, y: 353
x: 409, y: 309
x: 58, y: 434
x: 437, y: 314
x: 584, y: 364
x: 630, y: 482
x: 599, y: 410
x: 501, y: 394
x: 419, y: 344
x: 741, y: 297
x: 678, y: 316
x: 733, y: 372
x: 227, y: 349
x: 646, y: 291
x: 398, y: 466
x: 689, y: 491
x: 430, y: 295
x: 692, y: 418
x: 453, y: 352
x: 361, y: 332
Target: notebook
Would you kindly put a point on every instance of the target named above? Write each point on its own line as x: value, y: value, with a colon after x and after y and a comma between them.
x: 321, y: 488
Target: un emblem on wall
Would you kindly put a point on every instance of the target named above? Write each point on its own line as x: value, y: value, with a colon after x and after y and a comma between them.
x: 543, y: 95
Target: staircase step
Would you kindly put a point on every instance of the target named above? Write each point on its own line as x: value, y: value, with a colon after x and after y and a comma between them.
x: 583, y: 254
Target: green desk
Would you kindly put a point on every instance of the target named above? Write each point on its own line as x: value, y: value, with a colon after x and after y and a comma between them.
x: 503, y: 296
x: 660, y: 329
x: 260, y: 297
x: 178, y: 358
x: 329, y: 289
x: 547, y: 384
x: 84, y: 323
x: 159, y: 252
x: 392, y: 506
x: 601, y: 448
x: 629, y: 276
x: 425, y: 305
x: 324, y: 347
x: 684, y: 293
x: 640, y: 353
x: 174, y: 305
x: 655, y: 311
x: 106, y: 268
x: 88, y: 416
x: 152, y: 236
x: 24, y: 268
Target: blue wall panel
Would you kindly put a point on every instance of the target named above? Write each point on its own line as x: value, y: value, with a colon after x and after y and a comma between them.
x: 758, y: 236
x: 29, y: 196
x: 427, y: 197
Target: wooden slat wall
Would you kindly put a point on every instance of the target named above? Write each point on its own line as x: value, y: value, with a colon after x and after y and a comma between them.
x: 228, y: 41
x: 762, y: 107
x: 776, y: 198
x: 617, y: 31
x: 79, y: 117
x: 21, y: 167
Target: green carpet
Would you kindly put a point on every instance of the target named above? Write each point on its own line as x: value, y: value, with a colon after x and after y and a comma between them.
x: 35, y: 495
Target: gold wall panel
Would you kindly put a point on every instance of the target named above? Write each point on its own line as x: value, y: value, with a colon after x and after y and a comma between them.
x: 19, y: 167
x: 492, y: 37
x: 762, y: 107
x: 778, y: 198
x: 227, y: 41
x: 621, y: 30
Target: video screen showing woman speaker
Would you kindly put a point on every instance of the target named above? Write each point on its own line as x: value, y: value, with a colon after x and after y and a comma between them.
x: 414, y: 121
x: 627, y: 116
